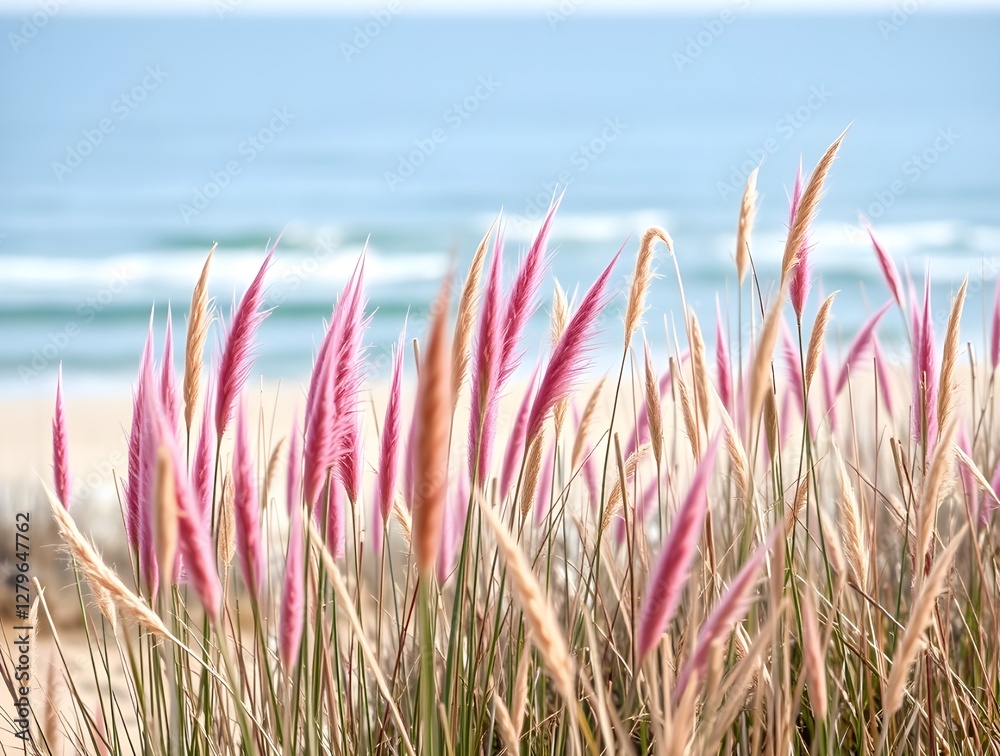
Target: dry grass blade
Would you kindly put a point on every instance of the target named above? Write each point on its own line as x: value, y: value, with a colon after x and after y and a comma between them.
x: 539, y: 616
x: 973, y: 468
x: 760, y: 371
x: 199, y: 321
x: 949, y: 358
x: 505, y: 724
x: 468, y: 307
x: 687, y: 411
x: 914, y: 636
x: 401, y: 516
x: 807, y: 209
x: 272, y: 469
x: 748, y: 209
x: 699, y: 366
x: 852, y: 527
x: 642, y: 277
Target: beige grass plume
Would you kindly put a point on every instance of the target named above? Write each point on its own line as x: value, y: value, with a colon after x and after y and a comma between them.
x: 748, y: 209
x: 587, y: 418
x: 468, y: 307
x: 100, y: 576
x: 949, y: 358
x: 227, y: 521
x: 807, y: 209
x: 165, y: 514
x: 642, y: 277
x: 558, y: 319
x: 852, y: 526
x: 815, y: 350
x: 938, y: 473
x: 532, y: 471
x: 617, y: 495
x: 813, y: 654
x: 199, y: 319
x: 699, y: 368
x: 654, y: 410
x: 538, y: 614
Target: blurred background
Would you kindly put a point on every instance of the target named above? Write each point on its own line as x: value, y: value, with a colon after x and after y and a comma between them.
x: 133, y: 138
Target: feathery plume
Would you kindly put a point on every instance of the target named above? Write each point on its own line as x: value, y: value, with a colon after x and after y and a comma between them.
x: 853, y: 532
x: 60, y: 447
x: 514, y: 452
x: 202, y: 471
x: 566, y: 362
x: 136, y: 461
x: 888, y: 267
x: 859, y: 348
x: 815, y: 348
x: 642, y: 277
x: 673, y: 565
x: 584, y: 424
x: 654, y: 411
x: 227, y: 521
x: 814, y: 655
x: 168, y: 379
x: 748, y: 209
x: 165, y: 514
x: 949, y: 357
x: 246, y: 507
x: 292, y: 613
x: 199, y: 319
x: 430, y: 453
x: 468, y: 304
x: 805, y: 211
x: 925, y: 389
x: 489, y: 356
x: 237, y: 354
x: 392, y: 430
x: 798, y: 288
x: 699, y: 367
x: 939, y: 472
x: 723, y: 372
x: 616, y: 499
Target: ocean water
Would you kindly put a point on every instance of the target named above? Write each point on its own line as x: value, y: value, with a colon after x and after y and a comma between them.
x: 129, y: 146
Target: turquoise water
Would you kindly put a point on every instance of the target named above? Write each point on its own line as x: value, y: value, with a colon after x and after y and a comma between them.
x: 128, y: 146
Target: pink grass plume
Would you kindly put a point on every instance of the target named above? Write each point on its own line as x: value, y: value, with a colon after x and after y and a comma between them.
x: 567, y: 361
x: 924, y: 373
x: 136, y: 462
x: 889, y: 271
x: 673, y: 564
x: 392, y: 431
x: 515, y: 444
x: 802, y: 271
x: 202, y: 469
x: 731, y: 608
x: 60, y: 447
x: 193, y: 530
x: 237, y: 354
x: 168, y: 376
x: 486, y: 375
x: 860, y: 347
x: 149, y: 440
x: 883, y: 376
x: 723, y: 371
x: 246, y: 507
x: 292, y: 613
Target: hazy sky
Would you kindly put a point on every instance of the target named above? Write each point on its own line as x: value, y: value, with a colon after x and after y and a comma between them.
x: 489, y: 6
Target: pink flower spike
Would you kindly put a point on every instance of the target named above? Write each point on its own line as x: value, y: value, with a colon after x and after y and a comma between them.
x: 193, y: 530
x: 168, y: 381
x: 202, y: 471
x: 925, y: 388
x: 486, y: 375
x: 392, y: 431
x: 60, y: 447
x: 515, y: 444
x: 567, y: 361
x: 673, y: 564
x: 246, y: 506
x: 723, y: 372
x: 801, y: 271
x: 237, y: 354
x: 731, y: 608
x: 149, y: 440
x: 889, y: 270
x: 860, y: 347
x: 292, y: 616
x: 136, y: 463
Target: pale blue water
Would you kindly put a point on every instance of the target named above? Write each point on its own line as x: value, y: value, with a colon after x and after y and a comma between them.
x: 129, y: 146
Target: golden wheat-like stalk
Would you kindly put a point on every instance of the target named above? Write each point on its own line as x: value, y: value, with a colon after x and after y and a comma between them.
x: 165, y: 513
x: 587, y: 419
x: 642, y: 277
x: 748, y: 209
x: 617, y: 495
x: 852, y: 527
x: 938, y: 474
x: 654, y: 411
x: 468, y: 308
x: 199, y: 321
x: 949, y: 358
x: 815, y: 350
x: 532, y: 471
